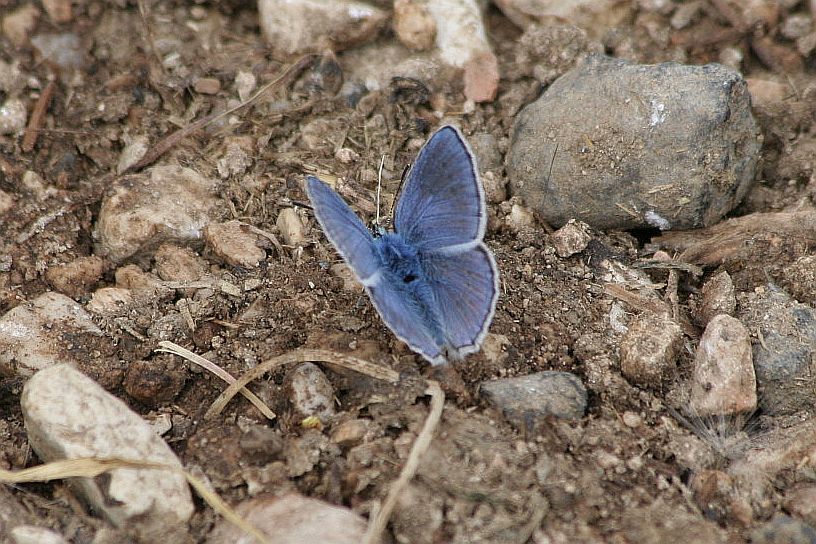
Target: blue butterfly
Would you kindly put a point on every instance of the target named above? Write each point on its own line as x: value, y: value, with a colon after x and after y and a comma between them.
x: 433, y: 280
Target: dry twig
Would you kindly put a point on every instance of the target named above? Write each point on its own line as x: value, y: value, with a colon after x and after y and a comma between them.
x: 302, y: 356
x: 93, y: 467
x: 175, y: 349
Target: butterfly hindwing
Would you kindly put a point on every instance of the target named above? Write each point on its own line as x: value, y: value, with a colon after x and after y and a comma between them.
x: 344, y: 230
x: 405, y: 319
x: 442, y: 202
x: 465, y: 285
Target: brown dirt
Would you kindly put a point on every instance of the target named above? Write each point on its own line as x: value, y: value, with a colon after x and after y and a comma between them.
x: 598, y: 479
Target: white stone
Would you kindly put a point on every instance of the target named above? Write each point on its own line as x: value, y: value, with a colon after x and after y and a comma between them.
x: 293, y: 519
x: 42, y: 333
x: 144, y: 210
x: 135, y: 149
x: 290, y: 226
x: 68, y: 416
x: 31, y: 534
x: 13, y: 116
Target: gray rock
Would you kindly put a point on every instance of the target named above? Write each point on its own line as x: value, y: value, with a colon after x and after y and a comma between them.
x: 527, y: 399
x: 68, y: 416
x: 723, y: 381
x: 50, y: 329
x: 668, y: 146
x: 784, y: 529
x: 783, y: 351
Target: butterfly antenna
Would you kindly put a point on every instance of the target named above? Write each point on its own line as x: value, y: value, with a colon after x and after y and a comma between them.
x: 399, y: 189
x: 379, y: 189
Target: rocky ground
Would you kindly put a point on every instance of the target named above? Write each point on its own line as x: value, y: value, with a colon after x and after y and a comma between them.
x: 648, y: 373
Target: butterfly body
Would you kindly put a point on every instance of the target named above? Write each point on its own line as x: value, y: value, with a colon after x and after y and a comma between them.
x: 432, y: 280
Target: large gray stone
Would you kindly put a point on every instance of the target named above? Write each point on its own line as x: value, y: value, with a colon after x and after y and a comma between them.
x: 668, y: 145
x: 526, y: 400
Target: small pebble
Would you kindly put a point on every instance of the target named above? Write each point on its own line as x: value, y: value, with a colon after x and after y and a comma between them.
x: 65, y: 50
x: 495, y: 187
x: 207, y: 85
x: 236, y: 158
x: 649, y: 349
x: 175, y: 263
x: 346, y: 155
x: 482, y: 77
x: 153, y: 383
x: 134, y: 150
x: 292, y: 519
x: 350, y: 432
x: 718, y: 297
x: 110, y: 302
x: 526, y: 400
x: 520, y: 218
x: 59, y: 11
x: 632, y: 420
x: 18, y: 24
x: 310, y: 392
x: 245, y: 84
x: 572, y: 238
x: 290, y: 226
x: 77, y: 277
x: 6, y: 202
x: 234, y: 243
x: 342, y: 271
x: 494, y: 348
x: 44, y: 332
x: 766, y: 93
x: 723, y: 381
x: 796, y: 26
x: 68, y: 416
x: 413, y: 24
x: 13, y: 116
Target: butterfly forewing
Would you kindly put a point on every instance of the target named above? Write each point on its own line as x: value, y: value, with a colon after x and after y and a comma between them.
x: 465, y: 285
x: 442, y: 203
x: 344, y: 229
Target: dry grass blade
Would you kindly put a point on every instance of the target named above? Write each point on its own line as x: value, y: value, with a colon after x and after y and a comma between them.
x: 38, y: 117
x: 175, y: 349
x: 421, y: 444
x: 92, y: 467
x: 302, y: 356
x: 170, y: 141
